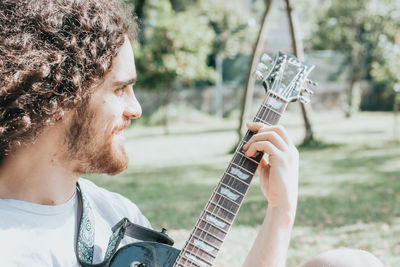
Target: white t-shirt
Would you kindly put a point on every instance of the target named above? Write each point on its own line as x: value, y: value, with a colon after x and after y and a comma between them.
x: 40, y: 235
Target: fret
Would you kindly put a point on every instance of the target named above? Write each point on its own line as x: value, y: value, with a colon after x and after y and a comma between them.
x: 266, y: 112
x: 211, y: 244
x: 219, y: 220
x: 276, y: 103
x: 182, y: 257
x: 234, y: 206
x: 240, y: 167
x: 194, y: 261
x: 233, y: 179
x: 231, y: 188
x: 186, y: 260
x: 203, y: 222
x: 215, y: 210
x: 226, y: 202
x: 272, y: 118
x: 192, y: 257
x: 199, y: 226
x: 248, y: 135
x: 249, y: 158
x: 245, y: 163
x: 199, y: 252
x: 255, y: 159
x: 212, y: 228
x: 261, y: 120
x: 235, y: 172
x: 273, y: 110
x: 201, y: 248
x: 240, y: 150
x: 227, y: 193
x: 218, y: 205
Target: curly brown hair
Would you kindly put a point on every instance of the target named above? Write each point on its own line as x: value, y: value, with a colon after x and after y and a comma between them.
x: 52, y: 54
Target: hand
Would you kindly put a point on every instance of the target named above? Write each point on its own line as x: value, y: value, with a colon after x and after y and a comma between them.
x: 278, y: 175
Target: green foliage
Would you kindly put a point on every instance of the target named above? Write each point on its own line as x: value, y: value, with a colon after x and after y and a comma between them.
x: 364, y: 30
x: 234, y: 26
x: 174, y: 47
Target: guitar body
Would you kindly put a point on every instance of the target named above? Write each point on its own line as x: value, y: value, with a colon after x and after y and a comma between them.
x: 149, y: 254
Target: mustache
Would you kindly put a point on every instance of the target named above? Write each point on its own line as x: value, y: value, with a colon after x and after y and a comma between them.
x: 121, y: 127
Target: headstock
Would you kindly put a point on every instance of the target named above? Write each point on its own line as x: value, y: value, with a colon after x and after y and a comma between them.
x: 285, y: 77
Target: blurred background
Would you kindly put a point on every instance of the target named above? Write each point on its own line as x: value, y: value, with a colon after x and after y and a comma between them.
x: 193, y: 60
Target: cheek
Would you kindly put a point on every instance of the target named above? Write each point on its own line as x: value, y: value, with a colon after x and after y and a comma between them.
x: 111, y: 111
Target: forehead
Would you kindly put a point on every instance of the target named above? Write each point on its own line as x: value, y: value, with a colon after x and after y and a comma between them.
x: 123, y: 65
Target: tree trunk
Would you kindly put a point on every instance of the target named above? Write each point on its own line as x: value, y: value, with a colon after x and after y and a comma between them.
x: 248, y: 94
x: 353, y: 93
x: 297, y: 46
x: 396, y: 105
x: 167, y: 101
x: 219, y: 60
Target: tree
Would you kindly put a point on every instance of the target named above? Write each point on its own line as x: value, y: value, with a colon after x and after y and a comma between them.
x: 249, y: 89
x: 173, y: 50
x: 297, y: 46
x: 235, y: 29
x: 355, y: 28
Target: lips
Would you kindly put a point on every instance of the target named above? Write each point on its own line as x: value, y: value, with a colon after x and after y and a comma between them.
x: 119, y: 130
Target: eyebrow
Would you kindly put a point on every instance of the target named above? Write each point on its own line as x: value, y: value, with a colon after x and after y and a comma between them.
x: 126, y: 82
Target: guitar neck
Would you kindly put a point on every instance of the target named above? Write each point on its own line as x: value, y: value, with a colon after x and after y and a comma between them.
x: 205, y: 241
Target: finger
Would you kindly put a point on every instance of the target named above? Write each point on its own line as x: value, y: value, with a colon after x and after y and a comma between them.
x: 280, y: 130
x: 270, y: 136
x: 264, y: 163
x: 255, y: 126
x: 262, y: 146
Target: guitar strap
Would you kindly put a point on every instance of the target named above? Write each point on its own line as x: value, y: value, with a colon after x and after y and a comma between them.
x: 84, y: 248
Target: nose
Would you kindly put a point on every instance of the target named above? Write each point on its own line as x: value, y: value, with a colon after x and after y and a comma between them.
x: 133, y: 110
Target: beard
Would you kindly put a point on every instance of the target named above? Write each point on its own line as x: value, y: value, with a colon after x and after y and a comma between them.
x: 94, y: 149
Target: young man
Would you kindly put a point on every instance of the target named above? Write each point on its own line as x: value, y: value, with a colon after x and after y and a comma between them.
x: 66, y: 95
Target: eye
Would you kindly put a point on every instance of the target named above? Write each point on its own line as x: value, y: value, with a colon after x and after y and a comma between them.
x: 119, y: 91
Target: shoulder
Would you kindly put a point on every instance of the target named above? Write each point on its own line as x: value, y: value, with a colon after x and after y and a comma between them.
x: 111, y: 205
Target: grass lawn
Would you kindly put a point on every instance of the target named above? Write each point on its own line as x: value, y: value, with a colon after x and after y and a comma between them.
x: 349, y: 187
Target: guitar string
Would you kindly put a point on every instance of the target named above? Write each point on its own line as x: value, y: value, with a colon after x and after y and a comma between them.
x: 208, y: 226
x: 219, y: 202
x: 231, y: 181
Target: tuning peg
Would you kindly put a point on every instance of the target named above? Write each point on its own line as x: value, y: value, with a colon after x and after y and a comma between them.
x: 312, y: 82
x: 259, y: 75
x: 308, y: 91
x: 266, y: 58
x: 262, y: 67
x: 304, y: 100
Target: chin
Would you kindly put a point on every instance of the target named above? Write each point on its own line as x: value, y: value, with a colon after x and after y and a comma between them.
x: 117, y: 161
x: 109, y: 160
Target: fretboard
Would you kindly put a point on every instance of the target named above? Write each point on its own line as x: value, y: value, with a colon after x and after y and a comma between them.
x: 205, y: 241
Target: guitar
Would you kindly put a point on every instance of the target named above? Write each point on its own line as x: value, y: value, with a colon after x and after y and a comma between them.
x: 283, y: 82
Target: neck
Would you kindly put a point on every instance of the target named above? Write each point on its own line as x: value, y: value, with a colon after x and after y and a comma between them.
x: 36, y: 172
x: 205, y: 241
